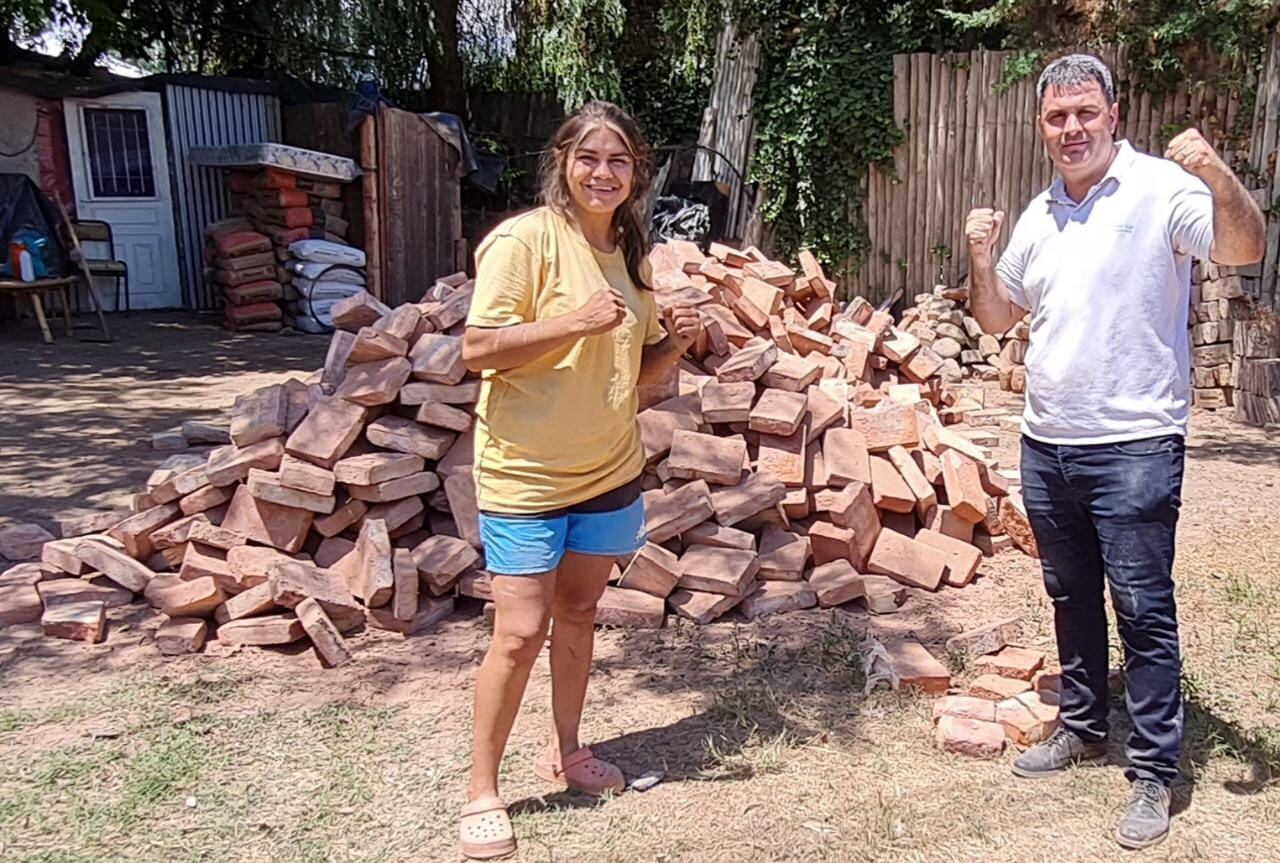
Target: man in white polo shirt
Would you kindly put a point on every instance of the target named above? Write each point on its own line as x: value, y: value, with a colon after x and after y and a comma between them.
x: 1102, y: 261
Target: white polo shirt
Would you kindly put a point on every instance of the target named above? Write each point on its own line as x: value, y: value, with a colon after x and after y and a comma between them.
x: 1108, y: 282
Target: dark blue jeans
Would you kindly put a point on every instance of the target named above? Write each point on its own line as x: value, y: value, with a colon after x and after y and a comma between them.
x: 1107, y: 513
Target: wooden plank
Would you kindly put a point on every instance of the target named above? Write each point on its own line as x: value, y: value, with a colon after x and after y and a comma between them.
x: 899, y: 199
x: 956, y: 134
x: 919, y: 144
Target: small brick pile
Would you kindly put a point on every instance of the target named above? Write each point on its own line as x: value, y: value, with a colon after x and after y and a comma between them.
x: 240, y: 265
x: 800, y: 455
x: 1256, y: 370
x: 939, y: 320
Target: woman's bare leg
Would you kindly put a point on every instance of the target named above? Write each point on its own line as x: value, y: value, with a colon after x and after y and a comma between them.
x: 580, y: 580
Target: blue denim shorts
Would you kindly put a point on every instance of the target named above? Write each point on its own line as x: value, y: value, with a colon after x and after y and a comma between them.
x: 534, y: 544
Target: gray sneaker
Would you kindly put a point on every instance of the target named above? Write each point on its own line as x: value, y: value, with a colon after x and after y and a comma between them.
x: 1146, y: 821
x: 1060, y: 751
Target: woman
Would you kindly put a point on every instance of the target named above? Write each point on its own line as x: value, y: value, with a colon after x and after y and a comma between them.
x: 563, y: 327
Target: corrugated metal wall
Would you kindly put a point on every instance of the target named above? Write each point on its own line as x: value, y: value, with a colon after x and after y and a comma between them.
x: 208, y: 118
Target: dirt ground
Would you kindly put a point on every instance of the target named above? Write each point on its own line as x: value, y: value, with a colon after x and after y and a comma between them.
x: 768, y: 747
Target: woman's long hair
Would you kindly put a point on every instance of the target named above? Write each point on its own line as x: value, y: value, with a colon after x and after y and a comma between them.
x: 629, y: 220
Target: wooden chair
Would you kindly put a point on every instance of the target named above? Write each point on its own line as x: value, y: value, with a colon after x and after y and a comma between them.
x: 95, y: 231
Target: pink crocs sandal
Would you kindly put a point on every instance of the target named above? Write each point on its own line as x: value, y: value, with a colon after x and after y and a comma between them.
x: 485, y: 830
x: 580, y: 770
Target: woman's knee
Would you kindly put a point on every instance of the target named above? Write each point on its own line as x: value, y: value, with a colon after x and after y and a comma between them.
x: 520, y: 638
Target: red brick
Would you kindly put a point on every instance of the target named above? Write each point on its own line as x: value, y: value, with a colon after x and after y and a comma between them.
x: 669, y: 515
x: 701, y: 607
x: 61, y: 590
x: 249, y: 564
x: 921, y: 365
x: 372, y: 345
x: 984, y: 639
x: 358, y: 310
x: 942, y: 519
x: 962, y: 736
x: 725, y: 403
x: 460, y: 488
x: 791, y: 373
x: 964, y: 486
x: 476, y: 584
x: 749, y: 363
x: 993, y: 687
x: 438, y: 359
x: 404, y: 602
x: 910, y: 664
x: 718, y: 536
x: 419, y: 392
x: 718, y: 570
x: 444, y: 416
x: 342, y: 517
x: 836, y: 583
x: 889, y: 491
x: 254, y: 601
x: 376, y: 579
x: 990, y: 545
x: 653, y: 570
x: 115, y: 564
x: 783, y: 554
x: 373, y: 384
x: 778, y: 412
x: 633, y: 609
x: 1013, y: 517
x: 915, y: 479
x: 887, y: 425
x: 278, y: 526
x: 78, y: 522
x: 329, y: 644
x: 962, y: 558
x: 181, y: 635
x: 396, y: 489
x: 207, y: 498
x: 135, y: 532
x: 266, y: 486
x: 807, y: 341
x: 406, y: 436
x: 78, y: 621
x: 259, y: 415
x: 304, y: 476
x: 784, y: 458
x: 293, y: 581
x: 897, y: 345
x: 272, y: 629
x: 1027, y: 719
x: 402, y: 323
x: 19, y: 604
x: 1018, y: 663
x: 883, y: 595
x: 400, y: 515
x: 735, y: 504
x: 431, y: 611
x: 700, y: 456
x: 774, y: 597
x: 965, y: 707
x: 327, y: 433
x: 831, y: 542
x: 845, y: 457
x: 910, y: 562
x: 173, y: 534
x: 178, y: 597
x: 440, y: 560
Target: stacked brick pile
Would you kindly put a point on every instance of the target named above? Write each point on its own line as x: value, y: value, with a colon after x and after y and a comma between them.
x: 342, y: 502
x: 801, y: 455
x: 940, y: 320
x: 1217, y: 303
x: 242, y: 268
x: 1012, y: 699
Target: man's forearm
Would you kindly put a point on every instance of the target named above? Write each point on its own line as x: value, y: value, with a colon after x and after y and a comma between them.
x: 989, y: 298
x: 1239, y: 232
x: 657, y: 360
x: 502, y: 348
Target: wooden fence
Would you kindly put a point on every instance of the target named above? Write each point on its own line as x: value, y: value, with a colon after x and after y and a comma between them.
x: 970, y: 143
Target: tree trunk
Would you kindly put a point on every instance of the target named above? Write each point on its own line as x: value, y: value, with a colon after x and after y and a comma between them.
x: 448, y: 91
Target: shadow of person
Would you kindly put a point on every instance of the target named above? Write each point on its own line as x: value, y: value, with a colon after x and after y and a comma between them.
x: 1207, y: 735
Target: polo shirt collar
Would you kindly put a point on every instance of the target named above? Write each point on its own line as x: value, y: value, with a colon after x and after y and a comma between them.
x: 1125, y: 156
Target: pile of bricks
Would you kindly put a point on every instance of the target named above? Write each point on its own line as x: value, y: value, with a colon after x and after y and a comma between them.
x: 801, y: 454
x: 339, y: 502
x: 1217, y: 302
x: 940, y: 320
x: 1011, y: 700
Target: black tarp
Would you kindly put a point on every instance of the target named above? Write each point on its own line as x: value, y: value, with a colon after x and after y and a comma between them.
x: 26, y: 213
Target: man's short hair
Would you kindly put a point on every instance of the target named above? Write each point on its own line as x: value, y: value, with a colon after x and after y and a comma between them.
x: 1073, y: 70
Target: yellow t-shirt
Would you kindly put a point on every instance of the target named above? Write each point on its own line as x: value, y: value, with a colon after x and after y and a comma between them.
x: 561, y: 429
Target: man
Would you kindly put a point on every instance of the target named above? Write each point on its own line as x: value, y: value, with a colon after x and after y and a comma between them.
x: 1102, y: 260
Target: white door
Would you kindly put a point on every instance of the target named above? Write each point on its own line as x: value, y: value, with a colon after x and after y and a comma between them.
x: 120, y: 171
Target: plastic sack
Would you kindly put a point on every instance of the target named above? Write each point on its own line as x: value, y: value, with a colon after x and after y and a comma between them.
x: 325, y: 252
x: 327, y: 272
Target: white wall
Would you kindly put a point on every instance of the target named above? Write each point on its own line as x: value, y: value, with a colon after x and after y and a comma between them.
x: 18, y: 133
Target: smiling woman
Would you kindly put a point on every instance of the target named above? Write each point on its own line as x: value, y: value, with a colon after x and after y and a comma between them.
x: 563, y: 325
